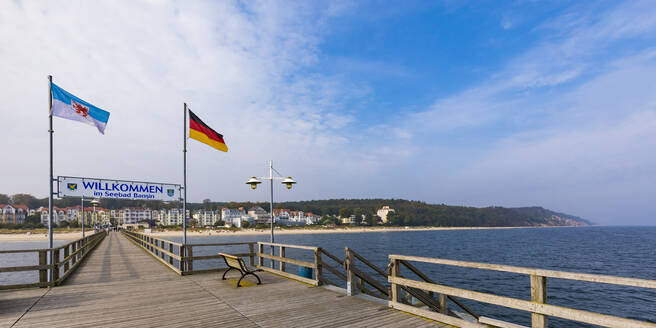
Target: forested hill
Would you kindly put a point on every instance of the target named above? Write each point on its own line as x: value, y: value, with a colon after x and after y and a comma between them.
x: 414, y: 213
x: 407, y: 213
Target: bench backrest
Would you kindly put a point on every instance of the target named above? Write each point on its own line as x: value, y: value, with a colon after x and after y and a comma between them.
x: 234, y: 261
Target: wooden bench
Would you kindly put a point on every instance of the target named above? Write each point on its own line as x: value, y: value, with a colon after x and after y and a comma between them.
x: 237, y: 263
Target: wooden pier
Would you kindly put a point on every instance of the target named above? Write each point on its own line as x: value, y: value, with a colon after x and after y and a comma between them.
x: 132, y: 279
x: 120, y: 285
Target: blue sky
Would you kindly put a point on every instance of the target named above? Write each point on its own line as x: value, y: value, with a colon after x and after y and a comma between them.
x: 479, y: 103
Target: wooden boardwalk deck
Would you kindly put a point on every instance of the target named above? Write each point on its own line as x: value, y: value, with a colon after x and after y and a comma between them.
x: 120, y: 285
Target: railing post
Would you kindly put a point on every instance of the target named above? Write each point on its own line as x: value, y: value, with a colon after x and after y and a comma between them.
x: 251, y: 250
x: 538, y: 295
x: 182, y: 262
x: 66, y: 253
x: 43, y: 260
x: 444, y: 304
x: 73, y: 249
x: 260, y: 250
x: 317, y: 262
x: 55, y: 266
x: 170, y: 251
x: 395, y: 271
x: 351, y: 281
x: 189, y: 249
x: 282, y: 254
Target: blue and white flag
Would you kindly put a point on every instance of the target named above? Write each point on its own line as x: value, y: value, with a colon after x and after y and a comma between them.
x: 68, y: 106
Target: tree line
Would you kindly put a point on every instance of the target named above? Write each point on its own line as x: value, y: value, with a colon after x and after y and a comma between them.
x: 407, y: 212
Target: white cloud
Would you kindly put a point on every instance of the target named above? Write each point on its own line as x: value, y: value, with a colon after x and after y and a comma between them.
x: 569, y: 124
x: 234, y: 63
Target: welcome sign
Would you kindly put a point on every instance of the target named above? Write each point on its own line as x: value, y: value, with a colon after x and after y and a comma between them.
x: 118, y: 189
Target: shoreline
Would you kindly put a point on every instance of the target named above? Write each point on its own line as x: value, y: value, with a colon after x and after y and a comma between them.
x: 41, y: 236
x: 255, y: 232
x: 251, y: 232
x: 244, y: 232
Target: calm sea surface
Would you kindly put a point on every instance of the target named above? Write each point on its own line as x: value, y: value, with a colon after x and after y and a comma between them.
x: 619, y: 251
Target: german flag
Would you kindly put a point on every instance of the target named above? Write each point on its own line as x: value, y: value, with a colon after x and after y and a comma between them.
x: 200, y: 131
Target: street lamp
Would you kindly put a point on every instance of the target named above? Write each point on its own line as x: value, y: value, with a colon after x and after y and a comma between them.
x: 94, y: 203
x: 288, y: 181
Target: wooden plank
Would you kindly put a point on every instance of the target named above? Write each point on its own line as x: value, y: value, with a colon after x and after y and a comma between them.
x: 43, y: 273
x: 251, y: 254
x: 207, y: 257
x: 317, y: 261
x: 222, y: 244
x: 538, y: 295
x: 151, y: 247
x: 25, y: 268
x: 436, y: 316
x: 633, y: 282
x: 371, y: 265
x: 207, y: 270
x: 498, y: 323
x: 334, y: 271
x: 288, y: 245
x: 395, y: 272
x: 351, y: 281
x: 288, y: 260
x: 55, y: 265
x: 20, y: 286
x: 545, y: 309
x: 166, y: 263
x: 371, y: 281
x: 289, y: 275
x: 333, y: 257
x: 13, y: 251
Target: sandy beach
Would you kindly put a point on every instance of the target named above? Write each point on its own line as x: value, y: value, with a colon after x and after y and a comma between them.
x: 40, y: 236
x: 246, y: 232
x: 199, y: 233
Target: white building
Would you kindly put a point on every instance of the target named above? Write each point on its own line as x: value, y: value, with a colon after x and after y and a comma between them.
x: 172, y: 217
x: 281, y: 216
x: 259, y: 215
x: 235, y: 216
x: 132, y: 215
x: 383, y: 212
x: 13, y: 213
x: 58, y: 215
x: 206, y: 218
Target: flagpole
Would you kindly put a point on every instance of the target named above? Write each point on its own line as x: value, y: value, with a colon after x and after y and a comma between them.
x: 184, y: 152
x: 50, y: 200
x: 82, y: 204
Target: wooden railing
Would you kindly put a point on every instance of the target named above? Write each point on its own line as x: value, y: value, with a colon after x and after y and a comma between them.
x: 161, y: 249
x: 283, y: 259
x: 180, y: 257
x: 66, y: 258
x: 356, y: 279
x: 338, y: 270
x: 536, y: 306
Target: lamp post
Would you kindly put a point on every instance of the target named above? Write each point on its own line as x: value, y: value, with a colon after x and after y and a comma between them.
x: 94, y: 203
x: 288, y: 181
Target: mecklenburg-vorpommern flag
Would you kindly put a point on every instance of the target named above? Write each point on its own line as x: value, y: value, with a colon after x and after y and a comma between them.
x: 68, y: 106
x: 200, y: 131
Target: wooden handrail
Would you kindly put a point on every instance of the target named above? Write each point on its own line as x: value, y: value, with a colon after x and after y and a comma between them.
x: 310, y: 248
x: 282, y: 259
x: 427, y: 279
x: 333, y: 257
x: 73, y: 253
x: 288, y: 260
x: 633, y: 282
x: 165, y: 251
x: 537, y: 305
